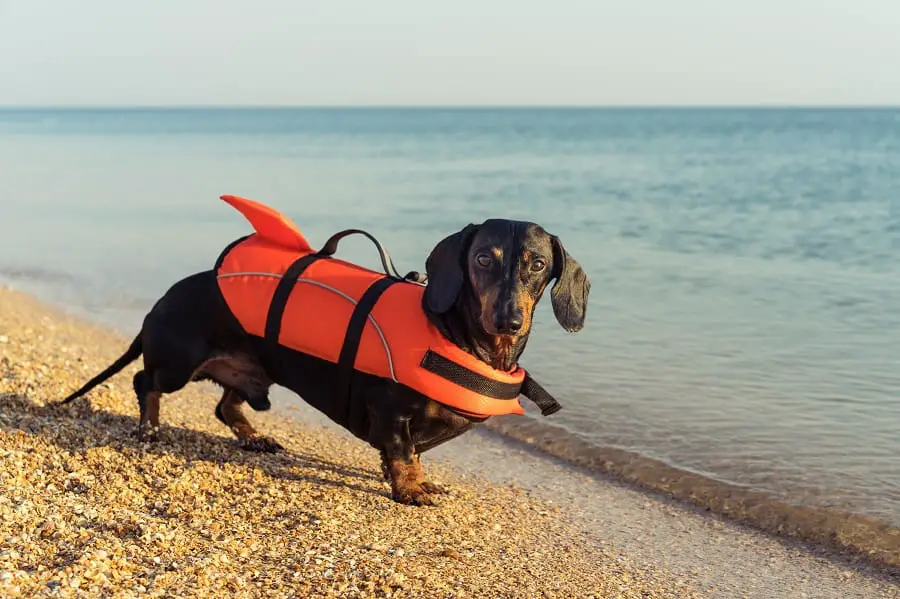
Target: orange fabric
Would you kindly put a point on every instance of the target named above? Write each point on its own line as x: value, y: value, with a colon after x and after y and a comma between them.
x: 315, y: 318
x: 270, y: 223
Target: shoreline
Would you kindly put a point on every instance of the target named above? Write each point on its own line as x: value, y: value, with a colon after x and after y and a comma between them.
x: 458, y: 454
x: 840, y: 533
x: 844, y: 534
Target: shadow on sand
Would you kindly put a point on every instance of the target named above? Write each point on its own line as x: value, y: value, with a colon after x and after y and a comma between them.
x: 79, y: 427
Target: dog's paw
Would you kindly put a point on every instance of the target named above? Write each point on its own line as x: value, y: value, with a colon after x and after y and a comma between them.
x: 434, y: 489
x: 261, y: 444
x: 412, y: 496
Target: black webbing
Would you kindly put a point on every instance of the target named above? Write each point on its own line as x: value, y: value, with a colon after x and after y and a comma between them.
x: 352, y: 337
x: 539, y: 396
x: 483, y: 385
x: 464, y: 377
x: 387, y: 264
x: 281, y: 296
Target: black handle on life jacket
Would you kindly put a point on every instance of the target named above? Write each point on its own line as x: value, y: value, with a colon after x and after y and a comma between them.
x: 331, y: 246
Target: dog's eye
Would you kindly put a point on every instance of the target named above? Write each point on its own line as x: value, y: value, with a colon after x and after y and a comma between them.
x: 483, y: 260
x: 538, y: 265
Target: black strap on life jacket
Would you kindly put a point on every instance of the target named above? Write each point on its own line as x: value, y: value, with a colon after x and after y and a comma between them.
x: 387, y: 264
x: 281, y: 296
x: 489, y: 387
x: 471, y: 380
x: 356, y: 412
x: 539, y: 396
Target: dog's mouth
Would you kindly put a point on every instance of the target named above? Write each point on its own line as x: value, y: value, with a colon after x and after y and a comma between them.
x: 503, y: 346
x: 504, y: 352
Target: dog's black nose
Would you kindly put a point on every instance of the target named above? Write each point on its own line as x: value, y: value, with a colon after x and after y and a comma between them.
x: 515, y: 323
x: 509, y: 324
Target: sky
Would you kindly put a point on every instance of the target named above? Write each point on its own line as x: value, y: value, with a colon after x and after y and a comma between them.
x: 459, y: 52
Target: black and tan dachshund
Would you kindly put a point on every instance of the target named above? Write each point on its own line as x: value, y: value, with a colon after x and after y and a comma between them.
x: 483, y: 285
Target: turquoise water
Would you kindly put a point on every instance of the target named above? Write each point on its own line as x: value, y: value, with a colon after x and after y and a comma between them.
x: 745, y: 311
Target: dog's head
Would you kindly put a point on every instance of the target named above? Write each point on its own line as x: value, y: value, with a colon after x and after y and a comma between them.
x: 500, y: 269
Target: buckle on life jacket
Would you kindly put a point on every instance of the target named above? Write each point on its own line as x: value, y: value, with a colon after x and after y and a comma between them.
x: 473, y: 381
x: 416, y: 277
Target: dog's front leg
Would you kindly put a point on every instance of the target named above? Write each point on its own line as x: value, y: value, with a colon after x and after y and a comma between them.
x: 418, y: 472
x: 402, y: 466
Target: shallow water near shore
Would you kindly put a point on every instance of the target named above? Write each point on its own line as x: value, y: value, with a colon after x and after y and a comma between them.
x: 746, y: 295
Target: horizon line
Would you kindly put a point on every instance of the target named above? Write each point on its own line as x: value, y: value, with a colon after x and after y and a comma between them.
x: 449, y: 107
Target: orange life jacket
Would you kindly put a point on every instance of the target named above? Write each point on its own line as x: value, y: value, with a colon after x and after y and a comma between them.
x: 282, y: 290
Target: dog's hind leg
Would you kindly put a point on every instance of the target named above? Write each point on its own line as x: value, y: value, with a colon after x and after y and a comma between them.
x: 229, y: 412
x: 149, y: 386
x: 148, y: 402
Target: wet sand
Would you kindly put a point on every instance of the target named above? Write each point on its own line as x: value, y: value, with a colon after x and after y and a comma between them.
x: 87, y: 510
x: 850, y: 535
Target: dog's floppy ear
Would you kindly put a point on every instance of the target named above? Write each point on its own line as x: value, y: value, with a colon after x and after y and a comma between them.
x: 446, y: 268
x: 569, y: 295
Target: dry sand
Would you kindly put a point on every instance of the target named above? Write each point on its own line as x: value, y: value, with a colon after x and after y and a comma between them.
x: 86, y: 510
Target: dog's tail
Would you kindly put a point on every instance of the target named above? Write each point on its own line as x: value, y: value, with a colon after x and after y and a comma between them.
x: 133, y: 352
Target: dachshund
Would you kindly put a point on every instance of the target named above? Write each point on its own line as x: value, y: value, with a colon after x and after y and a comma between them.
x: 483, y: 283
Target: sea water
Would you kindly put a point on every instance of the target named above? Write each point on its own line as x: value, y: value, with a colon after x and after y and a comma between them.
x: 744, y: 317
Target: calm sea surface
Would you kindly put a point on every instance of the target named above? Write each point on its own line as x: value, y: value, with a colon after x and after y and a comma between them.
x: 744, y: 321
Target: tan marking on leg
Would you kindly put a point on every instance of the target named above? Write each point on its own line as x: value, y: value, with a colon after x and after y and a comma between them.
x: 248, y: 437
x: 234, y: 416
x: 418, y: 472
x: 148, y: 428
x: 405, y: 486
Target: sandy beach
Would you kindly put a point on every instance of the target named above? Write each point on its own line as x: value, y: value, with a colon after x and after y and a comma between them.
x: 88, y: 511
